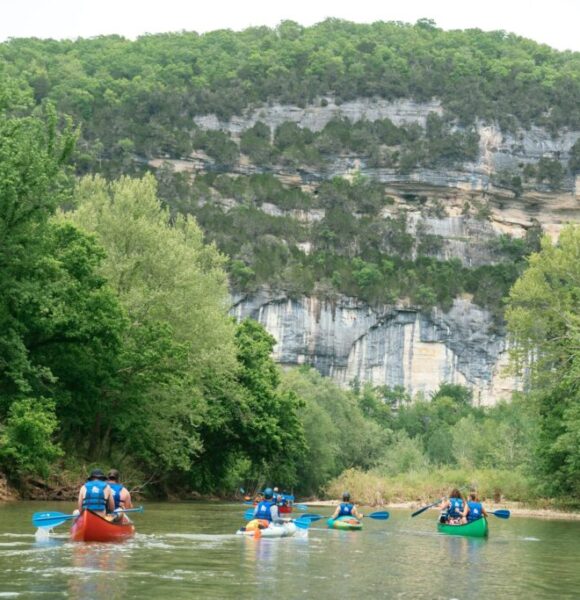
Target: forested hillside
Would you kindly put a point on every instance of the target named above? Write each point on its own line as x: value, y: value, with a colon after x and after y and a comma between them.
x: 134, y: 199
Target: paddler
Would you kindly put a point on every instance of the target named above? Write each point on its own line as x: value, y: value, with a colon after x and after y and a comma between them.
x: 96, y: 495
x: 475, y: 509
x: 346, y: 508
x: 265, y: 513
x: 121, y: 494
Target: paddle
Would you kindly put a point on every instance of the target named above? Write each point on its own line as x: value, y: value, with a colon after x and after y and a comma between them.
x: 301, y: 506
x: 53, y: 519
x: 305, y: 518
x: 381, y: 515
x: 501, y: 513
x: 422, y: 510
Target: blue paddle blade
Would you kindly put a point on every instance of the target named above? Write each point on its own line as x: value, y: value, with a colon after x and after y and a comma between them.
x: 302, y: 524
x: 310, y: 517
x: 50, y: 519
x: 249, y: 514
x: 249, y: 502
x: 381, y: 515
x: 301, y: 506
x: 501, y: 513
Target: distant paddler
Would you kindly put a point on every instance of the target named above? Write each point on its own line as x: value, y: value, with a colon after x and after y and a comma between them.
x: 346, y: 508
x: 265, y: 513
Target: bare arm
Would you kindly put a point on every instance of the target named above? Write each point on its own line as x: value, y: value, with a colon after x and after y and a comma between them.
x: 356, y: 513
x: 335, y: 513
x: 126, y: 498
x: 81, y: 498
x: 110, y: 500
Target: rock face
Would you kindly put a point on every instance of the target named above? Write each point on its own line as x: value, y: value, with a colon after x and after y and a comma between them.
x: 394, y: 346
x: 398, y: 345
x: 499, y: 151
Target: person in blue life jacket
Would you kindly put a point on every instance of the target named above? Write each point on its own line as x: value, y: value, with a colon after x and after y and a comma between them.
x: 266, y: 509
x: 121, y: 495
x: 96, y: 495
x: 475, y: 509
x: 346, y: 508
x: 454, y: 509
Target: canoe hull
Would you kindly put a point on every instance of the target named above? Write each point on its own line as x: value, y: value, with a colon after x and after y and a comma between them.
x: 345, y: 524
x: 273, y: 531
x: 477, y: 528
x: 90, y: 527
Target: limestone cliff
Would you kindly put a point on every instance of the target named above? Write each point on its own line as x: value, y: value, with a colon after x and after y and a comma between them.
x: 394, y: 346
x: 464, y: 206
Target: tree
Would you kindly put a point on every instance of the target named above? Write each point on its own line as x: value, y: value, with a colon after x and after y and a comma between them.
x: 174, y: 291
x: 544, y: 323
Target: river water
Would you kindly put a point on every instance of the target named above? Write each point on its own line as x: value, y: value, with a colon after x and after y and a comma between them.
x: 187, y: 550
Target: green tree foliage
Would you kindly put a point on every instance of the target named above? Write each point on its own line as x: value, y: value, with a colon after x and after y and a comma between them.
x: 543, y: 320
x: 174, y: 291
x: 338, y: 434
x: 27, y: 438
x: 147, y: 91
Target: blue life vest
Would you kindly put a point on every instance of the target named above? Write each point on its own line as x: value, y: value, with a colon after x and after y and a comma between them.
x: 455, y: 508
x: 262, y: 510
x: 116, y: 488
x: 345, y: 509
x: 95, y: 495
x: 475, y: 511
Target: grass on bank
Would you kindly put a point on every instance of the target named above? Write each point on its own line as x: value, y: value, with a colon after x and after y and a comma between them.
x: 425, y: 486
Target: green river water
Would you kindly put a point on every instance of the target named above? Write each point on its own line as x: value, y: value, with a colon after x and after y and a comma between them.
x: 189, y: 550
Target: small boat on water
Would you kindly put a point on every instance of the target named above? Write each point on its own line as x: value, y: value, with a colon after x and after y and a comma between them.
x: 91, y: 527
x: 477, y: 528
x: 285, y: 504
x: 346, y: 523
x: 272, y: 531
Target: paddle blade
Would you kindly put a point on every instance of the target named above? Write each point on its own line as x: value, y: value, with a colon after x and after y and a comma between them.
x: 249, y: 502
x: 302, y: 524
x: 50, y: 519
x: 310, y: 517
x: 249, y: 514
x: 502, y: 513
x: 301, y: 506
x: 381, y: 515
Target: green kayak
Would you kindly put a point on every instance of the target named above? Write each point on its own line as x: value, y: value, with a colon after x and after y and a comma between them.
x: 345, y: 523
x: 474, y: 529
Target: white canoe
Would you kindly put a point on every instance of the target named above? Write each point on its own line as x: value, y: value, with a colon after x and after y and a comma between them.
x: 272, y: 531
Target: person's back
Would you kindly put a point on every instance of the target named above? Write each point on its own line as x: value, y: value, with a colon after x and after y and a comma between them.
x: 96, y: 495
x: 346, y: 508
x: 475, y: 508
x: 263, y: 509
x: 453, y: 509
x: 121, y: 495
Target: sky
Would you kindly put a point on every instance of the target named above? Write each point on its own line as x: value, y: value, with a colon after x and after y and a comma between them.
x: 553, y: 22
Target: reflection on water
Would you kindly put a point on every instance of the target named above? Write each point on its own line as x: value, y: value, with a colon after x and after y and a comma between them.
x: 96, y: 567
x: 182, y: 551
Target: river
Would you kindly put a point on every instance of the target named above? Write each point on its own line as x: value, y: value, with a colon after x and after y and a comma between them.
x: 189, y: 550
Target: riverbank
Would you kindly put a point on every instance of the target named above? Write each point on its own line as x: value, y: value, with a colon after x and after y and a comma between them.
x: 517, y: 509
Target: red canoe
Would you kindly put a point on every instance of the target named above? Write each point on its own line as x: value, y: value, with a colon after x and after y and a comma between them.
x: 90, y: 527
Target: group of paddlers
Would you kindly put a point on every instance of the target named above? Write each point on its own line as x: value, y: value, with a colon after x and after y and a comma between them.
x: 457, y: 511
x: 104, y: 495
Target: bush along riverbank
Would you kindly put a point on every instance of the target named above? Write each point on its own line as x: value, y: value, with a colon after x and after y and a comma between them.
x: 496, y: 488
